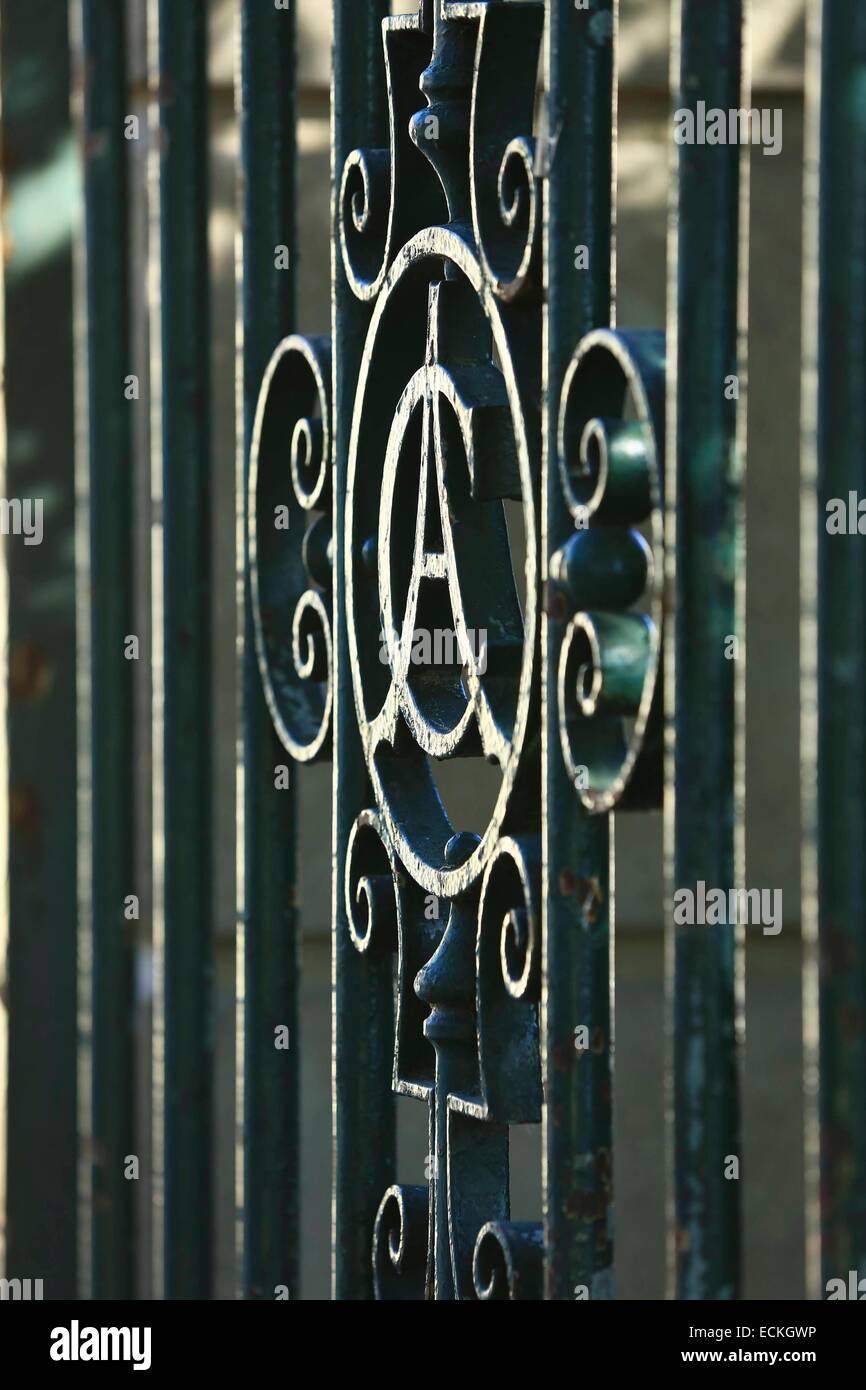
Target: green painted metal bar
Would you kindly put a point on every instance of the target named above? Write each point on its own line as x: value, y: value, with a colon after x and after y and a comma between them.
x: 267, y: 1079
x: 705, y: 571
x: 834, y: 637
x: 578, y: 897
x: 362, y: 1038
x: 37, y: 638
x: 181, y: 567
x: 107, y: 1115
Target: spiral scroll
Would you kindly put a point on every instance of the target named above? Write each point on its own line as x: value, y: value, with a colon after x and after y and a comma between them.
x: 374, y: 220
x: 400, y: 1244
x: 607, y: 577
x: 506, y: 200
x: 508, y: 1261
x: 508, y: 956
x: 289, y: 543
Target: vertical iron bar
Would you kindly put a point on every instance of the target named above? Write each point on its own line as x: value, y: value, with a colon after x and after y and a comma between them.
x: 5, y: 847
x: 107, y: 1111
x: 267, y: 958
x: 834, y: 641
x: 37, y: 642
x: 363, y: 1004
x: 578, y: 871
x: 182, y: 790
x: 705, y: 579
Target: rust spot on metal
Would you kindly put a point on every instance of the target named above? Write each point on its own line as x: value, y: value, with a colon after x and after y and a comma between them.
x: 567, y: 882
x: 25, y: 811
x: 95, y: 143
x: 597, y: 1039
x: 587, y: 1206
x: 603, y: 1166
x: 556, y: 605
x: 30, y: 671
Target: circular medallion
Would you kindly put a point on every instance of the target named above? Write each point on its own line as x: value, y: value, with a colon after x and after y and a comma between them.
x: 443, y: 659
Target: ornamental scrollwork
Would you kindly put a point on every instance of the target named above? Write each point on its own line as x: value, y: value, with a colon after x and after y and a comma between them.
x: 440, y: 241
x: 446, y: 430
x: 606, y: 581
x: 289, y: 543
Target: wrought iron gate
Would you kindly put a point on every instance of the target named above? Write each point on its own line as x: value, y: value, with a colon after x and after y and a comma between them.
x: 475, y: 447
